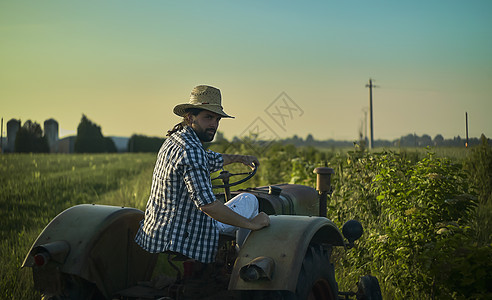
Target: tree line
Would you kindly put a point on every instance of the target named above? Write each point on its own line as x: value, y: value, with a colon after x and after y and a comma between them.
x: 30, y: 139
x: 409, y: 140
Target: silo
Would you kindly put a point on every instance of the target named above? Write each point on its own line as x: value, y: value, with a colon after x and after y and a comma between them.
x: 12, y: 127
x: 51, y: 134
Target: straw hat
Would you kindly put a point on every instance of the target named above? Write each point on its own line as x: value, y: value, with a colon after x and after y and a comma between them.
x: 203, y: 97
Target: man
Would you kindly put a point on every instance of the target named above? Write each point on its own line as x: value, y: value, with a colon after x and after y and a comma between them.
x: 182, y: 214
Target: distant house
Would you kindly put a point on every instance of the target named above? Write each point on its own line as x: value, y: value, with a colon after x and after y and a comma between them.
x: 66, y: 144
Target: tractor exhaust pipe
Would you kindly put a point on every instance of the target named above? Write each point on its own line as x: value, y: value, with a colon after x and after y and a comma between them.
x: 260, y: 268
x: 323, y: 186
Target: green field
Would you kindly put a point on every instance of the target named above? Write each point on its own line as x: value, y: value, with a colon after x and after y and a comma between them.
x: 35, y: 188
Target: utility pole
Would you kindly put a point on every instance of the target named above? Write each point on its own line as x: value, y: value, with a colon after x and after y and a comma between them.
x: 466, y: 121
x: 370, y: 86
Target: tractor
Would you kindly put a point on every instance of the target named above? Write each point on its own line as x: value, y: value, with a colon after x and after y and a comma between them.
x: 88, y: 252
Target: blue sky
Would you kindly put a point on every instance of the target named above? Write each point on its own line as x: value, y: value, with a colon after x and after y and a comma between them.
x: 126, y: 64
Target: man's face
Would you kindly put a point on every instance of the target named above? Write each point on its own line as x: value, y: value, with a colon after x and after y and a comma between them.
x: 205, y: 125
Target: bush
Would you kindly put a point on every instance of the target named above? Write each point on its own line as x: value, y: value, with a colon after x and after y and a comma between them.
x: 479, y: 168
x: 417, y: 218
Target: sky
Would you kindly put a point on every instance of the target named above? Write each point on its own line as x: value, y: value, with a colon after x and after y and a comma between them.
x: 284, y: 68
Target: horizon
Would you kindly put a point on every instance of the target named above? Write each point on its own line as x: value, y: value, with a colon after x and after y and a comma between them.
x: 73, y: 133
x: 284, y: 68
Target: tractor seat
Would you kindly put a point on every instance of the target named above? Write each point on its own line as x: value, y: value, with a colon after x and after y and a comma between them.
x: 240, y: 236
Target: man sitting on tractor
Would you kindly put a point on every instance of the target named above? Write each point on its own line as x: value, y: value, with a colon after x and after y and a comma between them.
x: 182, y: 214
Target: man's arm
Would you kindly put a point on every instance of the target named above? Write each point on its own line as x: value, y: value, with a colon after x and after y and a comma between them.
x: 218, y: 211
x: 247, y: 160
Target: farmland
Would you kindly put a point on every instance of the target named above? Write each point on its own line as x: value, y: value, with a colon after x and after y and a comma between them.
x: 35, y: 188
x: 421, y: 210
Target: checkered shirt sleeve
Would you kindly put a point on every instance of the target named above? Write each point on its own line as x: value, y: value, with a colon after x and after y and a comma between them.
x: 180, y: 185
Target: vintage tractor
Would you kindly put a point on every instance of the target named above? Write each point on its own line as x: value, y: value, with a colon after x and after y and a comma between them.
x: 88, y: 252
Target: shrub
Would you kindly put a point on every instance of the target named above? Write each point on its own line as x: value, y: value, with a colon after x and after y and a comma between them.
x: 416, y: 217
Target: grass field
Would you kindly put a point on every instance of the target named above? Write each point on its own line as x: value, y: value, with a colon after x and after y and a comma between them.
x: 36, y: 188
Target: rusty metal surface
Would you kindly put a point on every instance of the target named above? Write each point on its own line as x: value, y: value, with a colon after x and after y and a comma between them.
x: 304, y: 199
x: 102, y: 247
x: 294, y: 199
x: 270, y: 204
x: 323, y: 179
x: 286, y: 241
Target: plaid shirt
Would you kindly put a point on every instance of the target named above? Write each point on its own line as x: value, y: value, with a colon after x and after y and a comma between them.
x: 180, y: 185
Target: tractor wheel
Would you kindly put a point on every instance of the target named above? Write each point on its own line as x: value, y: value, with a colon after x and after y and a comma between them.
x: 368, y: 288
x: 316, y: 280
x: 317, y: 276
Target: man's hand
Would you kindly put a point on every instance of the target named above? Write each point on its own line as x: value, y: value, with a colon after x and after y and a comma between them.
x: 261, y: 220
x: 248, y: 160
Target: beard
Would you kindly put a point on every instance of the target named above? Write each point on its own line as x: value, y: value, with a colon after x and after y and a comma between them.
x: 204, y: 135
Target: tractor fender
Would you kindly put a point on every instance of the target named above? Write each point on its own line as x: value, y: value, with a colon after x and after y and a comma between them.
x: 283, y: 244
x: 96, y: 243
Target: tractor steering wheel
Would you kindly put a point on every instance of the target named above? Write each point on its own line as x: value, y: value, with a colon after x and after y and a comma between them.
x: 225, y: 175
